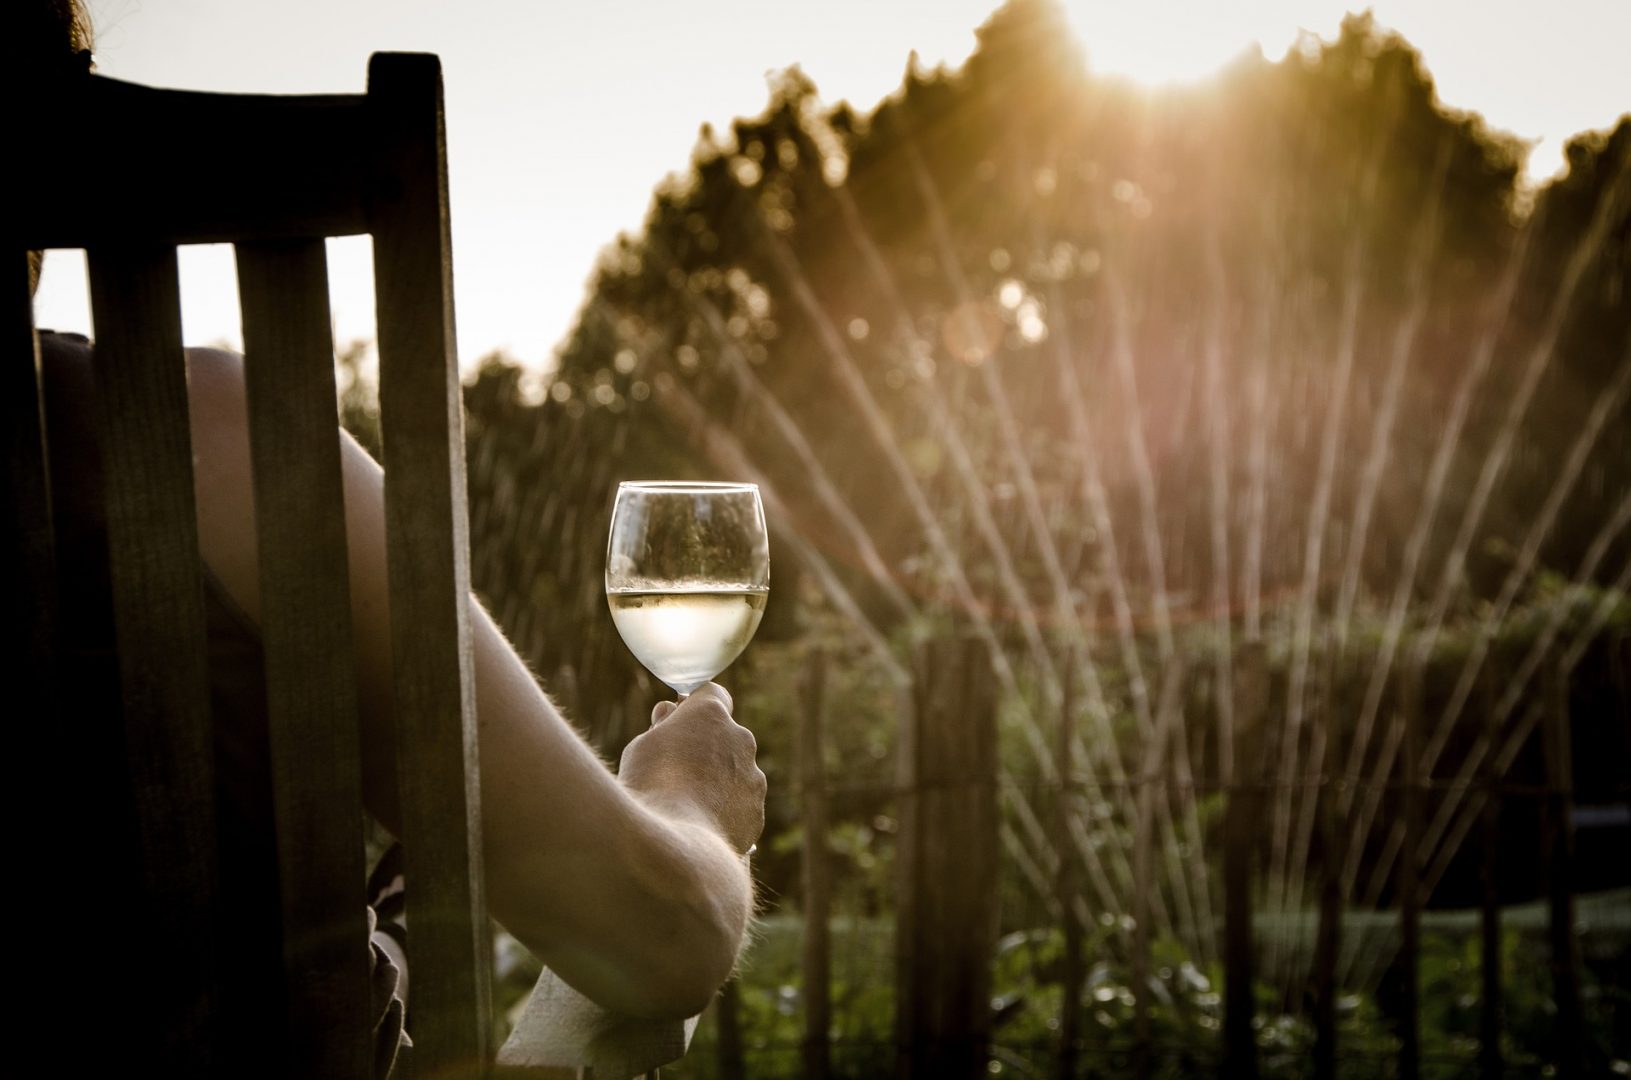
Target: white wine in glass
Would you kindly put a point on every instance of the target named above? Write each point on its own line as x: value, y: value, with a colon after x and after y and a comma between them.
x: 687, y: 575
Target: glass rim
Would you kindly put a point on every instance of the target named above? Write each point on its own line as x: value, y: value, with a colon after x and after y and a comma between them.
x: 686, y: 487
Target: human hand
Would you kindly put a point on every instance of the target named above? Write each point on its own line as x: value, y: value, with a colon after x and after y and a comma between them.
x: 698, y: 763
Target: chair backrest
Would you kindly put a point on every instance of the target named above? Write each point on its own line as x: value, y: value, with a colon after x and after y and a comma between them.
x: 292, y: 171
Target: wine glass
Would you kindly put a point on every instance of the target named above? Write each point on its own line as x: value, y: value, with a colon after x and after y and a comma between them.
x: 687, y: 575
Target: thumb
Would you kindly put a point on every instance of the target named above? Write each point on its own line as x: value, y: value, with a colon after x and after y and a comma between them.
x: 660, y: 713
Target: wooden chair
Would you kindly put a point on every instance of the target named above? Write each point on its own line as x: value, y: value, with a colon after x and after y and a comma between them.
x: 297, y: 170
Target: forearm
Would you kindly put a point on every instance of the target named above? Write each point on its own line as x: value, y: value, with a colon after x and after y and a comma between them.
x: 641, y: 908
x: 667, y: 943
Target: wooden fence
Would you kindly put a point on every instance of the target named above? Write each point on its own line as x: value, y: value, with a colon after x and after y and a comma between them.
x: 949, y: 796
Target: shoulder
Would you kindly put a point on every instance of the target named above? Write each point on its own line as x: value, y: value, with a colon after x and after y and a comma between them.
x: 215, y: 394
x: 214, y: 372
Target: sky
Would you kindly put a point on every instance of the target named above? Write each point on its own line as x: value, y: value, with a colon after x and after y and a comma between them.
x: 562, y: 118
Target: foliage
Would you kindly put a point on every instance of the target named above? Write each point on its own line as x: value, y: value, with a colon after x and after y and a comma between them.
x: 1185, y: 1009
x: 1113, y: 379
x: 1006, y: 272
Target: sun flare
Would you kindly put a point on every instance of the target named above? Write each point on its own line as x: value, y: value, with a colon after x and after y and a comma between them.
x: 1187, y: 40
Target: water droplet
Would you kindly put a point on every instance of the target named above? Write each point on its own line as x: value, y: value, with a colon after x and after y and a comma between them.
x: 1032, y: 327
x: 972, y: 332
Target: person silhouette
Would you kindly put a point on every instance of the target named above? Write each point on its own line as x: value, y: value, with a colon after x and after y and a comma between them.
x: 630, y: 885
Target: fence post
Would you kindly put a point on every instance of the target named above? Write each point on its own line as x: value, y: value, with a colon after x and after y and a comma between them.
x: 1328, y: 936
x: 1152, y: 773
x: 1070, y: 998
x: 1619, y: 672
x: 945, y: 930
x: 1560, y: 872
x: 1410, y: 715
x: 817, y: 874
x: 1143, y: 883
x: 1490, y: 1066
x: 728, y: 1026
x: 1251, y: 690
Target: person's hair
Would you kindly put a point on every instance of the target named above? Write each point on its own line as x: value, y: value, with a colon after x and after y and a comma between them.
x: 50, y: 36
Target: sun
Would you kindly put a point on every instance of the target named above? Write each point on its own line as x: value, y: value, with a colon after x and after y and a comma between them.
x: 1162, y: 42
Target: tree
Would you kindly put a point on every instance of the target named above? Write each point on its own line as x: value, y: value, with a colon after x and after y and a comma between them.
x: 914, y: 292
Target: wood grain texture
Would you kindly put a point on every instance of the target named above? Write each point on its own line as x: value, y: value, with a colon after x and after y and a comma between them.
x: 816, y: 961
x: 1328, y: 931
x: 1250, y: 683
x: 158, y: 602
x: 729, y: 1059
x: 27, y: 547
x: 298, y: 165
x: 1569, y: 1029
x: 307, y: 642
x: 946, y: 937
x: 1072, y: 969
x: 422, y: 431
x: 1490, y: 1064
x: 304, y: 167
x: 1410, y: 898
x: 1154, y: 772
x: 28, y: 562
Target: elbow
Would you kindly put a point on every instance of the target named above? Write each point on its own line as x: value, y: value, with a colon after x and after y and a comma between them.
x: 678, y: 998
x: 687, y: 958
x: 657, y: 946
x: 692, y: 902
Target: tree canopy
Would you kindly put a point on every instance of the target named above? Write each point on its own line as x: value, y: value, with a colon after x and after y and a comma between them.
x: 1025, y: 335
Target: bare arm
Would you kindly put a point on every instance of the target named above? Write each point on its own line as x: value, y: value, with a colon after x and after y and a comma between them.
x: 633, y: 891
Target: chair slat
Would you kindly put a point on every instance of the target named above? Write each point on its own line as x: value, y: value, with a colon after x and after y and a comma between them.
x: 299, y: 166
x: 158, y: 602
x: 421, y: 416
x: 306, y: 636
x: 26, y: 546
x: 304, y: 167
x: 31, y: 617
